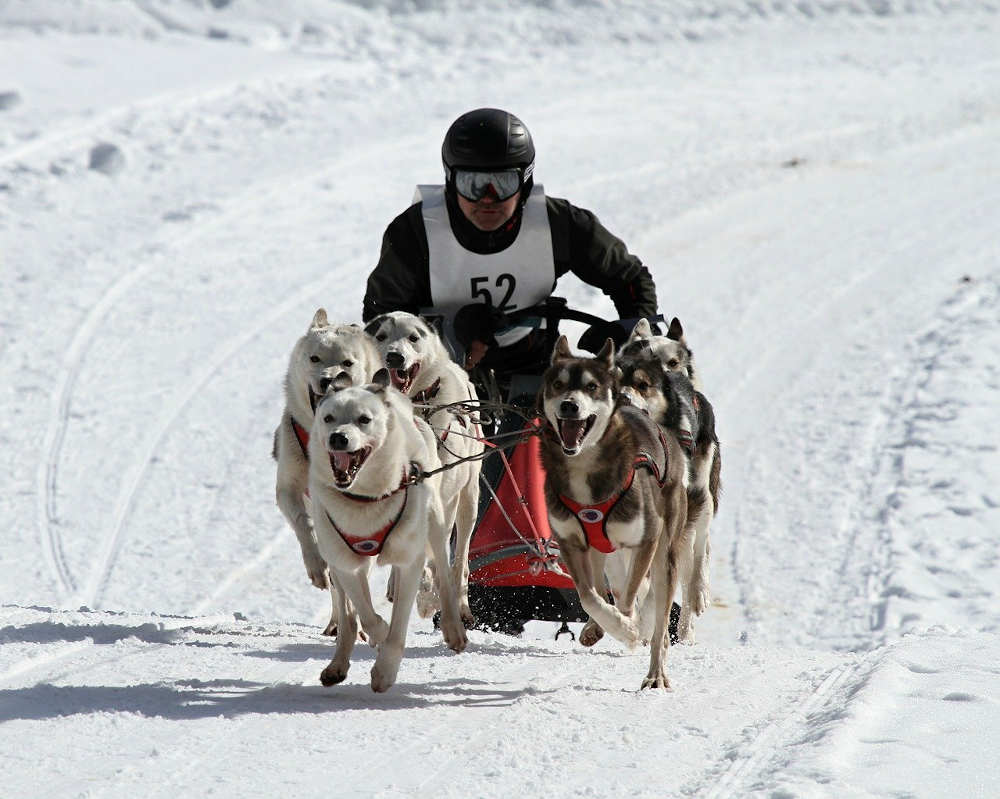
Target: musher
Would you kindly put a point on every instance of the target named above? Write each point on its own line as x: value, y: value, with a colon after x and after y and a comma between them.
x: 489, y: 238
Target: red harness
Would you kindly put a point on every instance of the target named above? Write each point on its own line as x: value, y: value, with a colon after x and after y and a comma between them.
x: 593, y: 519
x: 303, y: 437
x: 372, y: 544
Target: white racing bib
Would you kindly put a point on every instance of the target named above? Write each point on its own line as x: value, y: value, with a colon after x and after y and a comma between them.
x: 518, y: 277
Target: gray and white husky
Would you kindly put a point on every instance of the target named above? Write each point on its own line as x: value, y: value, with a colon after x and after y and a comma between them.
x: 368, y: 455
x: 671, y: 350
x: 670, y: 399
x: 327, y: 352
x: 615, y: 482
x: 420, y: 367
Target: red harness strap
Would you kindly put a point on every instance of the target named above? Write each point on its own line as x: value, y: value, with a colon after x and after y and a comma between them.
x: 303, y: 436
x: 372, y: 544
x: 593, y: 519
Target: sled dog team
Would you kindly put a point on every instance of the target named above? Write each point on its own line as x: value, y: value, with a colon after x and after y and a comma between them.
x: 375, y: 464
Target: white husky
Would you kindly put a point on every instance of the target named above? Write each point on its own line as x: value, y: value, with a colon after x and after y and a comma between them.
x: 419, y: 366
x: 325, y: 353
x: 372, y: 497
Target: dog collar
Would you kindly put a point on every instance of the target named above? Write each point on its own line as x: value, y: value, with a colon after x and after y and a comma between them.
x: 428, y: 393
x: 409, y: 478
x: 593, y: 519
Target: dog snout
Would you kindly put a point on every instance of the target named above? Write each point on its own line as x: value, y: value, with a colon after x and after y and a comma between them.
x: 338, y: 442
x: 394, y: 360
x: 569, y: 409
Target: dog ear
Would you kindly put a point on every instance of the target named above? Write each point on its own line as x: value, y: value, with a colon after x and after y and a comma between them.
x: 607, y: 353
x: 319, y: 319
x: 676, y: 332
x: 561, y: 350
x: 373, y: 324
x: 380, y: 381
x: 339, y: 383
x: 641, y: 330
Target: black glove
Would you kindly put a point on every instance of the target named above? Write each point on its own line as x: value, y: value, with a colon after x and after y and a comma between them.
x: 479, y: 322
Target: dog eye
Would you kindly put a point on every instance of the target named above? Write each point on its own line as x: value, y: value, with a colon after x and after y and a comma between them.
x: 672, y: 363
x: 348, y: 363
x: 558, y: 385
x: 592, y: 387
x: 328, y: 418
x: 414, y: 337
x: 314, y: 358
x: 381, y: 337
x: 642, y: 386
x: 364, y: 420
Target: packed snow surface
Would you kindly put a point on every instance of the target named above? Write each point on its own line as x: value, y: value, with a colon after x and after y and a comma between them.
x: 815, y: 187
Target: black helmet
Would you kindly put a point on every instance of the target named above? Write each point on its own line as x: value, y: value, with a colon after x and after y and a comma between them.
x: 488, y: 138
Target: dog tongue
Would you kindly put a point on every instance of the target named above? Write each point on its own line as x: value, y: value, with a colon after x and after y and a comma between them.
x: 341, y: 460
x: 571, y: 431
x: 399, y: 377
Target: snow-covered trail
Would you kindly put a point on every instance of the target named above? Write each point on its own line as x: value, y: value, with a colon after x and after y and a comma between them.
x: 816, y: 194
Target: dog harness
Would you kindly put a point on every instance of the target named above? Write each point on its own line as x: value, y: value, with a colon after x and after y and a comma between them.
x: 593, y: 519
x: 371, y: 545
x: 303, y: 437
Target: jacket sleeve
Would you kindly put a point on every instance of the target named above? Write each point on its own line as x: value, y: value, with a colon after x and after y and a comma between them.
x: 400, y: 280
x: 583, y: 245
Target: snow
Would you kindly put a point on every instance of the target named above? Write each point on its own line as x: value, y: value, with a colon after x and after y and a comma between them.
x: 815, y: 187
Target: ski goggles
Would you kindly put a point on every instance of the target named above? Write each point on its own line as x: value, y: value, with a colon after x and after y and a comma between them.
x: 474, y: 185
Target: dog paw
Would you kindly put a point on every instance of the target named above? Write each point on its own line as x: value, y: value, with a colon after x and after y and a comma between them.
x: 318, y: 575
x: 701, y: 597
x: 428, y: 603
x: 386, y: 668
x: 380, y: 682
x: 467, y: 618
x: 455, y: 637
x: 591, y: 633
x: 333, y: 674
x: 428, y: 598
x: 656, y: 679
x: 377, y: 633
x: 630, y: 635
x: 685, y: 628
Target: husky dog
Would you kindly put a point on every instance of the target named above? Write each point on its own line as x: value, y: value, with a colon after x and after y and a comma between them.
x: 420, y: 367
x: 325, y: 353
x: 614, y: 480
x: 671, y: 350
x: 372, y: 497
x: 670, y: 399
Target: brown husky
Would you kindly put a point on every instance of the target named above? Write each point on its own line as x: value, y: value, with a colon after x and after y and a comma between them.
x: 615, y: 482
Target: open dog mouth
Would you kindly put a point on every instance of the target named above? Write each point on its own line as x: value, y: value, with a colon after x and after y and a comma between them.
x: 402, y: 379
x: 573, y: 431
x: 346, y: 465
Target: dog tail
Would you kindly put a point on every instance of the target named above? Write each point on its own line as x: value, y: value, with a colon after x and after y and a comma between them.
x: 715, y: 476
